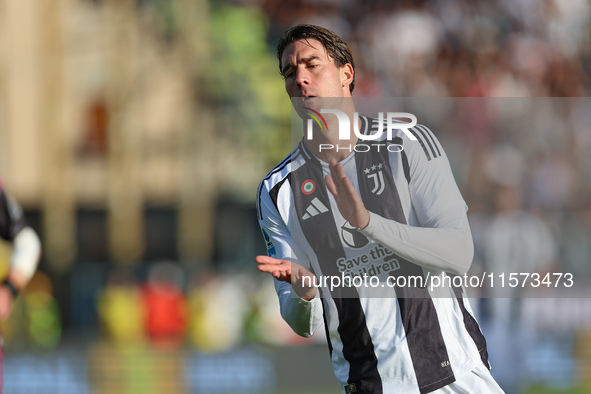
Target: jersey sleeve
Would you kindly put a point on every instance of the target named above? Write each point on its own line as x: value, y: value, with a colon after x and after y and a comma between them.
x: 303, y: 316
x: 12, y: 219
x: 442, y: 238
x: 432, y: 185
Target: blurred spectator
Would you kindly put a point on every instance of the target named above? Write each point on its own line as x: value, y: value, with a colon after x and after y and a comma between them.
x: 218, y: 310
x: 121, y: 309
x: 36, y: 320
x: 574, y: 241
x: 510, y: 241
x: 166, y: 307
x: 551, y: 183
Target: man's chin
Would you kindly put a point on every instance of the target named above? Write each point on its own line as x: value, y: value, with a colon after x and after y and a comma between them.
x: 304, y: 104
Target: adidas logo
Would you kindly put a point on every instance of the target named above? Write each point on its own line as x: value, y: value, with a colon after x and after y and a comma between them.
x: 315, y: 208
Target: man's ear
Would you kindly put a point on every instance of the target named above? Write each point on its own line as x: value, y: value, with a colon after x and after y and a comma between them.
x: 347, y: 73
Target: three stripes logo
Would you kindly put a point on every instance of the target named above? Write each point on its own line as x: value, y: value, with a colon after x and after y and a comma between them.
x: 314, y: 209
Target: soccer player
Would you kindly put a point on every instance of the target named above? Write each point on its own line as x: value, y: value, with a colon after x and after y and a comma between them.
x: 390, y: 213
x: 26, y: 253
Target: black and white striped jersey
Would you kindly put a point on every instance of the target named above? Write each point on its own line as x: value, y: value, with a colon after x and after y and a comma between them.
x: 403, y: 340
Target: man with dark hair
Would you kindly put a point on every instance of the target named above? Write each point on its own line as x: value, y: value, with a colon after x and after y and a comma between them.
x: 390, y: 213
x: 335, y: 47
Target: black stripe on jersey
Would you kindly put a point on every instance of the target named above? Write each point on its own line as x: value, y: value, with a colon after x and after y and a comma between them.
x: 305, y: 151
x: 369, y: 126
x: 326, y: 327
x: 419, y: 130
x: 427, y: 349
x: 259, y: 208
x: 403, y: 158
x: 364, y: 122
x: 358, y: 348
x: 472, y: 326
x: 275, y: 191
x: 427, y: 138
x: 419, y: 137
x: 275, y: 170
x: 375, y: 123
x: 417, y: 310
x: 373, y: 126
x: 283, y: 163
x: 431, y: 137
x: 323, y: 236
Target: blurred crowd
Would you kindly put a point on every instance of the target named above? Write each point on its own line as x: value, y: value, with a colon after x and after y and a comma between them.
x: 210, y: 312
x: 500, y: 48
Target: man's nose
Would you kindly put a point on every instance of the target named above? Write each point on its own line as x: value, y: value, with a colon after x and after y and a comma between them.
x: 302, y: 77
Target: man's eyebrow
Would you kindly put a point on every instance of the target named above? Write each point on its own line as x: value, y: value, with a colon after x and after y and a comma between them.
x: 309, y: 59
x: 303, y: 60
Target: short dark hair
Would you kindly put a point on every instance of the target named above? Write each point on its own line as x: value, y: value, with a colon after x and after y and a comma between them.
x: 336, y: 48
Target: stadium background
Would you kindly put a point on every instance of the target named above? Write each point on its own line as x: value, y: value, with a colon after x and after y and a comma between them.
x: 134, y: 134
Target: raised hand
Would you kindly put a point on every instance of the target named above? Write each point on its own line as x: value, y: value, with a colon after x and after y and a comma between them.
x: 348, y: 200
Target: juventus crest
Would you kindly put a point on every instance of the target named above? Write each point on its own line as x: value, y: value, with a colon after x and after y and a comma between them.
x: 375, y: 174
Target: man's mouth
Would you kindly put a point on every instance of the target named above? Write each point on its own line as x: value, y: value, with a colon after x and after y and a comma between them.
x: 306, y: 94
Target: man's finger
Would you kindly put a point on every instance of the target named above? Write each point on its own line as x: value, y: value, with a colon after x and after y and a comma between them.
x: 332, y: 166
x: 348, y: 187
x: 338, y: 176
x: 281, y: 274
x: 267, y: 268
x: 262, y: 259
x: 273, y: 267
x: 330, y: 185
x: 340, y: 180
x: 337, y: 169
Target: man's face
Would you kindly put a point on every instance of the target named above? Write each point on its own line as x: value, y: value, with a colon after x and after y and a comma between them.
x: 309, y: 72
